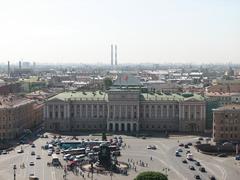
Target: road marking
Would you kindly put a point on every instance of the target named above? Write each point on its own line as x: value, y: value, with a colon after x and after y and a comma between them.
x: 53, y: 174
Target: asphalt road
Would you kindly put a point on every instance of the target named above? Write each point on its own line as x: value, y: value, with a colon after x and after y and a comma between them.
x: 163, y: 160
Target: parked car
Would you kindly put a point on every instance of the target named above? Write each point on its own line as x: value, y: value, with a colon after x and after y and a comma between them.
x: 192, y: 168
x: 200, y: 138
x: 184, y: 161
x: 198, y: 142
x: 222, y: 155
x: 33, y: 146
x: 197, y: 163
x: 20, y: 150
x: 32, y: 153
x: 31, y: 163
x: 181, y: 145
x: 197, y: 177
x: 177, y: 154
x: 237, y: 157
x: 186, y: 146
x: 189, y: 144
x: 38, y: 157
x: 202, y: 169
x: 4, y: 152
x: 179, y: 150
x: 212, y: 178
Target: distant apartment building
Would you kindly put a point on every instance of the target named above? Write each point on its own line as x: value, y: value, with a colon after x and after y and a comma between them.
x: 6, y: 88
x: 18, y: 114
x: 226, y: 123
x: 125, y: 108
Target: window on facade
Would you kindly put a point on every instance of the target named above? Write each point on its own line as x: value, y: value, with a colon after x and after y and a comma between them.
x: 62, y: 114
x: 221, y: 135
x: 152, y: 126
x: 221, y: 128
x: 226, y: 116
x: 226, y: 128
x: 235, y: 128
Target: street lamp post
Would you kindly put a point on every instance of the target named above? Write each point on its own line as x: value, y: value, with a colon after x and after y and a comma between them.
x: 14, y: 171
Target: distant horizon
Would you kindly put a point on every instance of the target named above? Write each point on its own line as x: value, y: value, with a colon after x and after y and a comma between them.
x: 155, y: 31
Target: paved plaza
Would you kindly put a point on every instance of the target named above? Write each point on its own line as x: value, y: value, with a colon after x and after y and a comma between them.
x: 162, y: 159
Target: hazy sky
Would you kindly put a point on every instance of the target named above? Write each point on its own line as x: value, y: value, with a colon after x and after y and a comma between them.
x: 155, y: 31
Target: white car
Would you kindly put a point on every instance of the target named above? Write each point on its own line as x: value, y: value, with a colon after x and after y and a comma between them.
x: 20, y: 151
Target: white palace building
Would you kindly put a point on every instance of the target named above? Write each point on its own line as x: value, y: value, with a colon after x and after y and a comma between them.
x: 125, y: 107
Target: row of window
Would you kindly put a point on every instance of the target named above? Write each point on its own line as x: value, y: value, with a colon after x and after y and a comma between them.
x: 83, y: 126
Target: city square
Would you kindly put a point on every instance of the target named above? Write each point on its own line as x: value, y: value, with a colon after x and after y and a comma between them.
x: 135, y: 153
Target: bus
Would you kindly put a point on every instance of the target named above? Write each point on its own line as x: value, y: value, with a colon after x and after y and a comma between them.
x: 55, y: 160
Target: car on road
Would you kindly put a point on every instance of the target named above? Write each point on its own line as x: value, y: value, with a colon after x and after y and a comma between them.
x: 50, y: 152
x: 188, y: 152
x: 179, y: 150
x: 143, y: 137
x: 177, y: 154
x: 186, y: 146
x: 202, y: 169
x: 198, y: 142
x: 222, y: 155
x: 200, y: 138
x: 33, y: 146
x: 20, y: 150
x: 197, y: 163
x: 189, y: 144
x: 197, y: 177
x: 151, y: 147
x: 4, y: 152
x: 212, y: 178
x: 181, y: 144
x: 31, y: 163
x: 184, y: 161
x: 32, y: 153
x: 237, y: 157
x: 192, y: 168
x: 38, y: 157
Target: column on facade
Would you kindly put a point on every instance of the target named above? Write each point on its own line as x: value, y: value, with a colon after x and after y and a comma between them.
x: 195, y: 111
x: 75, y: 110
x: 114, y: 111
x: 144, y: 111
x: 47, y: 111
x: 92, y: 111
x: 189, y: 112
x: 80, y: 109
x: 53, y: 111
x: 155, y: 111
x: 98, y: 110
x: 120, y: 111
x: 167, y: 111
x: 126, y: 112
x: 131, y: 125
x: 86, y: 111
x: 132, y: 116
x: 162, y: 110
x: 173, y: 111
x: 201, y: 112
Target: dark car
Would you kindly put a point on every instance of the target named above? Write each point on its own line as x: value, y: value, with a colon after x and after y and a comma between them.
x: 197, y: 163
x: 198, y: 142
x: 192, y: 168
x: 186, y: 146
x: 184, y: 161
x: 189, y: 144
x: 32, y: 153
x: 33, y: 146
x: 197, y: 177
x: 202, y: 169
x: 181, y: 145
x: 212, y: 178
x: 200, y: 138
x: 222, y: 155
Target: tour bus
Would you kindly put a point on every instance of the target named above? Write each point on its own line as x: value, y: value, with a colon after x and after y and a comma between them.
x: 75, y: 151
x: 190, y: 156
x: 55, y: 160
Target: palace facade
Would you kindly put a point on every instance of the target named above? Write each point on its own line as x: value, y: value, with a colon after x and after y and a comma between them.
x: 125, y: 107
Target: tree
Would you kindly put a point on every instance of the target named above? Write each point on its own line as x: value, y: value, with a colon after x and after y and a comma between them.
x: 107, y: 82
x: 104, y: 136
x: 151, y: 175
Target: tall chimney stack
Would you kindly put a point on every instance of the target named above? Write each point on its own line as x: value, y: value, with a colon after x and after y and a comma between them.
x: 20, y: 65
x: 8, y: 68
x: 115, y: 55
x: 111, y: 55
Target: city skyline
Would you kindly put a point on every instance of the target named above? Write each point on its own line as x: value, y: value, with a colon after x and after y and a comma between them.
x: 145, y: 32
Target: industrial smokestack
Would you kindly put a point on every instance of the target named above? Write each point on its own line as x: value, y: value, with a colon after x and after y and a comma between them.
x: 8, y: 68
x: 20, y: 65
x: 111, y: 54
x: 115, y: 54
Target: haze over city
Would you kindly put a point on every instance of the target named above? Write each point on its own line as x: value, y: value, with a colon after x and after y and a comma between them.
x: 153, y: 31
